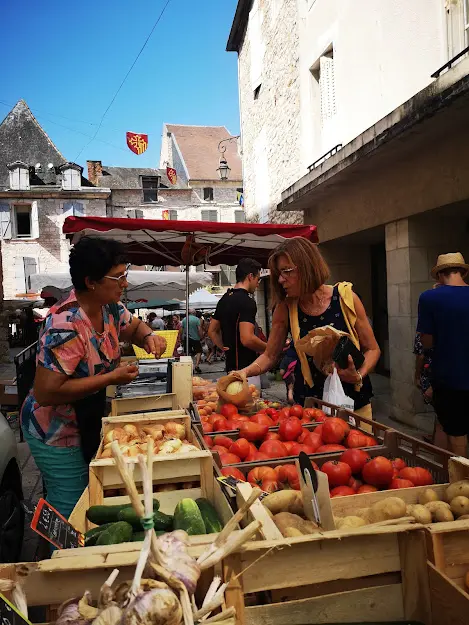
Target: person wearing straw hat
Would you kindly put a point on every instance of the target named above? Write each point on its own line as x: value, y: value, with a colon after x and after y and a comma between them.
x: 443, y: 322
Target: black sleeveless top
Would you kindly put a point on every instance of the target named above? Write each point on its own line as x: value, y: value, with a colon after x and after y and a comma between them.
x: 333, y: 316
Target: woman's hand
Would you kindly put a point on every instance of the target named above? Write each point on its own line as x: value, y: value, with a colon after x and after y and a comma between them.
x: 124, y: 374
x: 154, y: 344
x: 350, y: 374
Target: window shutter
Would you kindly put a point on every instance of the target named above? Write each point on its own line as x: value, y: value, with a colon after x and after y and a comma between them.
x: 139, y: 214
x: 173, y: 214
x: 20, y: 282
x: 327, y: 89
x: 5, y: 221
x: 34, y: 221
x: 240, y: 217
x: 30, y: 268
x: 209, y: 215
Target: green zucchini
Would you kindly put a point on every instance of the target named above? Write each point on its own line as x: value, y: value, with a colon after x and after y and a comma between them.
x: 210, y: 516
x: 91, y: 536
x: 101, y: 515
x: 187, y: 517
x: 120, y: 532
x: 138, y: 537
x: 161, y: 521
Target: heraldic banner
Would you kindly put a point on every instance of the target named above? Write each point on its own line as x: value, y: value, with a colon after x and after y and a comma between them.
x: 137, y: 142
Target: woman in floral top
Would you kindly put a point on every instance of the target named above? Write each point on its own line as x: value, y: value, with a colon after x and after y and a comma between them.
x: 78, y: 358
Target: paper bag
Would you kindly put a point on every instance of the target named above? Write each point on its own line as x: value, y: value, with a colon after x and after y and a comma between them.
x: 334, y: 393
x: 243, y: 399
x: 320, y: 344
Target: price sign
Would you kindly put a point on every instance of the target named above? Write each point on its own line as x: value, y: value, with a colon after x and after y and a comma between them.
x: 9, y: 615
x: 352, y: 421
x: 55, y: 528
x: 231, y: 482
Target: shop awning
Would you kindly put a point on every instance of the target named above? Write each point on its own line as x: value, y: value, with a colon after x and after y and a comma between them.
x: 163, y: 242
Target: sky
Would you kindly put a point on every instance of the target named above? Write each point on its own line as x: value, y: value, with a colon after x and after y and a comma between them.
x: 68, y: 60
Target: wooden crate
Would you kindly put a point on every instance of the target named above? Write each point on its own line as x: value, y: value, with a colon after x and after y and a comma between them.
x: 171, y: 468
x: 146, y: 403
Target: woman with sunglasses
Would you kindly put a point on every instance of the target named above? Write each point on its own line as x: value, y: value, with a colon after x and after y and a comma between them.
x: 78, y: 357
x: 303, y: 302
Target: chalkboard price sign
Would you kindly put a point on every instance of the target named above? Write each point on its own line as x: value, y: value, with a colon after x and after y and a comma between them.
x: 9, y: 615
x: 55, y: 528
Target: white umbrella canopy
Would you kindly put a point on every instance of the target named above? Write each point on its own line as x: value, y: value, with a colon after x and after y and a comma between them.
x: 143, y: 285
x: 202, y: 299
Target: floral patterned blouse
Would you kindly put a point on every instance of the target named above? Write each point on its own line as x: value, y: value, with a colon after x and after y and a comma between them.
x: 69, y: 344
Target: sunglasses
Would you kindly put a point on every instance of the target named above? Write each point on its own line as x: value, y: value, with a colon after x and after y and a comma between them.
x: 122, y: 277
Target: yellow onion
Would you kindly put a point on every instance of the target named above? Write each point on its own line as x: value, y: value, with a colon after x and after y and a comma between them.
x: 175, y: 430
x: 234, y: 388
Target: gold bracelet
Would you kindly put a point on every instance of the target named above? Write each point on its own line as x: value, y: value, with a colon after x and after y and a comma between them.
x: 359, y: 384
x: 258, y: 365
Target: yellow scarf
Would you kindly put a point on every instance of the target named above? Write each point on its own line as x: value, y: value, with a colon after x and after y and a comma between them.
x: 350, y: 316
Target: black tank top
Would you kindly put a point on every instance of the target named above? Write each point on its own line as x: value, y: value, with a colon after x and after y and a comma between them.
x: 333, y: 316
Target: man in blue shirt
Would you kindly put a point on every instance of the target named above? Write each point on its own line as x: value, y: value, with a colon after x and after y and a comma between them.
x: 444, y: 326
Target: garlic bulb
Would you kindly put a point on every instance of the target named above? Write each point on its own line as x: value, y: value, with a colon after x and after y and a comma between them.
x: 109, y: 616
x: 69, y: 614
x: 154, y: 607
x: 176, y: 559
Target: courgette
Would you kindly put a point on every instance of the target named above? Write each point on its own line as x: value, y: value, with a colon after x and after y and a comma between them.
x: 101, y: 515
x: 210, y: 516
x: 187, y: 517
x: 161, y: 521
x: 91, y: 536
x: 120, y: 532
x: 138, y: 537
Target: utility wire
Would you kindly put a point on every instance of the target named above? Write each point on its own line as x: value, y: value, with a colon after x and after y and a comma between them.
x: 125, y: 78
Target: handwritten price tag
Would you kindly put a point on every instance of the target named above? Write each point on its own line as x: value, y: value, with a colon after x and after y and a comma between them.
x: 55, y: 528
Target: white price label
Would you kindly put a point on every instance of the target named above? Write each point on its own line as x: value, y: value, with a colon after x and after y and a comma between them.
x: 352, y: 421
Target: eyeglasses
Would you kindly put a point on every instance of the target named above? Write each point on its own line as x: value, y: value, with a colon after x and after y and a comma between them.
x: 122, y: 277
x: 285, y: 273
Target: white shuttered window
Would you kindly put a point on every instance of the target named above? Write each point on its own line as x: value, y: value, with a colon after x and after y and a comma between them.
x: 5, y: 221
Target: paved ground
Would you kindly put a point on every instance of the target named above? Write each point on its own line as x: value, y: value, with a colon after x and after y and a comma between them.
x: 33, y: 548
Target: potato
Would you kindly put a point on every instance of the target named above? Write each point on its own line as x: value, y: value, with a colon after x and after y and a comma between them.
x: 427, y: 495
x: 434, y: 505
x: 389, y: 508
x: 442, y: 514
x: 459, y: 506
x: 284, y: 501
x: 464, y: 517
x: 286, y: 520
x: 291, y: 532
x: 365, y: 514
x: 349, y: 522
x: 420, y: 513
x: 456, y: 489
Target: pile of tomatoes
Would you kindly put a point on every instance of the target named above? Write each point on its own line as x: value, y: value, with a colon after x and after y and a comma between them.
x: 257, y: 442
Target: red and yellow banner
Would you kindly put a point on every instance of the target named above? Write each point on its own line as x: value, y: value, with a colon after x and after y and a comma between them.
x: 137, y: 142
x: 172, y: 175
x: 165, y: 214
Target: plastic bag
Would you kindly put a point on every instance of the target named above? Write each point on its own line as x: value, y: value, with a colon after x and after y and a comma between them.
x: 334, y: 393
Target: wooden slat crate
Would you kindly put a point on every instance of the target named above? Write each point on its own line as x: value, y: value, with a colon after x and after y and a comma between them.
x: 170, y: 468
x: 146, y: 403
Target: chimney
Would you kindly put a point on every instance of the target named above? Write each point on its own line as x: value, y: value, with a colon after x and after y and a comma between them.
x: 95, y: 169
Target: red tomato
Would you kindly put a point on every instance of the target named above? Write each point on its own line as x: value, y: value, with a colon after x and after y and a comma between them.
x: 371, y: 442
x: 241, y: 417
x: 417, y: 475
x: 234, y: 472
x: 207, y: 427
x: 260, y: 455
x: 263, y: 419
x: 313, y: 440
x: 253, y: 431
x: 398, y: 482
x: 338, y: 473
x: 287, y: 476
x: 264, y: 477
x: 398, y: 464
x: 296, y: 411
x: 272, y: 436
x: 208, y: 440
x: 290, y: 429
x: 274, y: 449
x: 288, y: 446
x: 220, y: 424
x: 231, y: 424
x: 297, y: 447
x: 229, y: 458
x: 341, y: 422
x: 303, y: 435
x: 241, y: 448
x: 220, y: 448
x: 366, y: 488
x: 318, y: 430
x: 272, y: 412
x: 354, y: 483
x: 308, y: 414
x: 342, y: 491
x: 324, y: 449
x: 378, y: 471
x: 332, y: 432
x: 223, y: 440
x: 228, y: 410
x: 318, y: 415
x: 356, y: 439
x: 355, y: 458
x: 284, y: 413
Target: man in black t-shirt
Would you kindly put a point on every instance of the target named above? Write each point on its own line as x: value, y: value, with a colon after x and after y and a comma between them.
x: 233, y: 325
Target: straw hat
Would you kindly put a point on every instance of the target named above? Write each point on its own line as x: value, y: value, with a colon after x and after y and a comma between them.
x: 448, y: 261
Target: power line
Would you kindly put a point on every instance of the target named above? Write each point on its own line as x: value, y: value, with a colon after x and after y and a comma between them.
x: 125, y: 78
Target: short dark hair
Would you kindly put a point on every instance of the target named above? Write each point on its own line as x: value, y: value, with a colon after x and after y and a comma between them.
x: 447, y: 272
x: 245, y: 267
x: 92, y: 258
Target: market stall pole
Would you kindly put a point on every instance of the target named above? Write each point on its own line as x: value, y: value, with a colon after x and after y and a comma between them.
x: 188, y: 243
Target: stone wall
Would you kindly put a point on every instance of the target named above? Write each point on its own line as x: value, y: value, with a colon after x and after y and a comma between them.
x: 270, y: 122
x: 51, y: 249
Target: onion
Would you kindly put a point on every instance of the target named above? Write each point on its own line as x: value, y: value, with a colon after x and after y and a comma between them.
x: 234, y: 388
x: 175, y: 430
x: 154, y: 607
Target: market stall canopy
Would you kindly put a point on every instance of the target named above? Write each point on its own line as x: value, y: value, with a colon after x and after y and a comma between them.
x: 163, y: 242
x: 202, y: 300
x: 144, y: 286
x: 161, y: 304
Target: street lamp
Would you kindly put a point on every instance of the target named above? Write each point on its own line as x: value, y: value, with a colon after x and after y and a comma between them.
x: 223, y: 167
